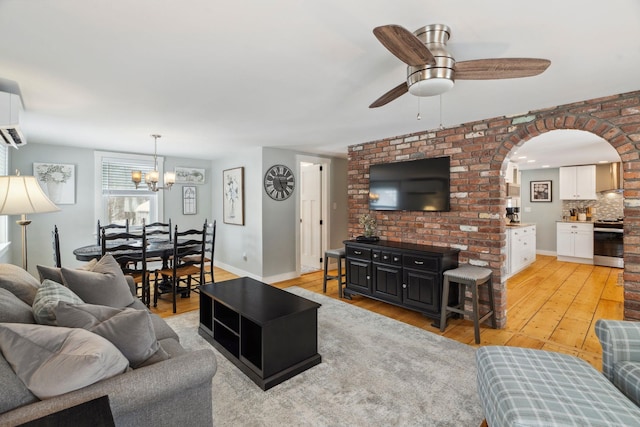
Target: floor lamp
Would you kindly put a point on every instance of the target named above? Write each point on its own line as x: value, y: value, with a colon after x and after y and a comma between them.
x: 22, y: 195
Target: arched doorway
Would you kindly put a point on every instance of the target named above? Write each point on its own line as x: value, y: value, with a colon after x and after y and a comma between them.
x: 624, y: 146
x: 540, y: 158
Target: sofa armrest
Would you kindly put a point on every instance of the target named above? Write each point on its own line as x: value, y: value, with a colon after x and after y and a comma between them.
x: 152, y: 395
x: 620, y: 341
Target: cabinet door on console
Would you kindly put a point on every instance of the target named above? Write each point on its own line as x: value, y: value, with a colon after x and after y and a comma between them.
x: 358, y: 264
x: 359, y: 275
x: 387, y: 282
x: 421, y: 289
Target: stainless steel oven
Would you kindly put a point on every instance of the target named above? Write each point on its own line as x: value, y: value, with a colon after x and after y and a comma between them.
x: 608, y: 248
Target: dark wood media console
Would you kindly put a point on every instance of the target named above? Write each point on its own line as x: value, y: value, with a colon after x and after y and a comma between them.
x: 404, y: 274
x: 269, y: 334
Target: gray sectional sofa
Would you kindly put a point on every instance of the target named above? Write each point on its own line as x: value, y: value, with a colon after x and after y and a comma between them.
x: 169, y: 385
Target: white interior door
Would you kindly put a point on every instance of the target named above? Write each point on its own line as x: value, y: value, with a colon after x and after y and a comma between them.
x: 310, y: 216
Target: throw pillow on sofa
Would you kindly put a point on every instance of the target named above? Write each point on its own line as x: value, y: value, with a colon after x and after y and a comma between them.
x: 19, y: 282
x: 13, y: 309
x: 53, y: 360
x: 130, y: 330
x: 47, y: 298
x: 55, y: 273
x: 105, y: 284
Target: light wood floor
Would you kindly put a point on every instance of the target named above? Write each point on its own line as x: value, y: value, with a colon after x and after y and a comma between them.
x: 551, y: 305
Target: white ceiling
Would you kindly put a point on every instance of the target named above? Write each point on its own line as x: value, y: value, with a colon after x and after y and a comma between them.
x: 562, y: 148
x: 214, y: 76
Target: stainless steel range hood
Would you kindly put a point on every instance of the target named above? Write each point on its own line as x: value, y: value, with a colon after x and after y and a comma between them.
x: 609, y: 178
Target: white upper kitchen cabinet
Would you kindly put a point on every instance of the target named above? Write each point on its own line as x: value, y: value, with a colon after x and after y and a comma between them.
x: 578, y: 183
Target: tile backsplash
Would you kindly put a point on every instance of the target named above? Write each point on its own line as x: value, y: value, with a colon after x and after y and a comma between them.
x: 608, y: 206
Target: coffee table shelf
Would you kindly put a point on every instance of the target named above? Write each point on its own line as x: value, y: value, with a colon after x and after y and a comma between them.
x: 271, y: 335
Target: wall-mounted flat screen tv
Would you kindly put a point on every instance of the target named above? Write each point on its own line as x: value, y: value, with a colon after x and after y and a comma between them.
x: 417, y: 185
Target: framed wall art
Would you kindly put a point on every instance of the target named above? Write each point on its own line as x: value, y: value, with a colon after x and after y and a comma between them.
x: 540, y: 191
x: 58, y: 181
x: 189, y: 200
x: 233, y: 196
x: 188, y: 175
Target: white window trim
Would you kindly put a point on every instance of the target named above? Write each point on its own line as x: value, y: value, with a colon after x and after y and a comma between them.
x: 4, y: 219
x: 98, y: 155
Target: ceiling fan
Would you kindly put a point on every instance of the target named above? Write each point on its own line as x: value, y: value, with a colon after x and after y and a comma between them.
x: 431, y: 70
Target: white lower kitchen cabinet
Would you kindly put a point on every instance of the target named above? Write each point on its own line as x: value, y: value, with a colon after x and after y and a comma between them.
x: 521, y: 247
x: 575, y: 242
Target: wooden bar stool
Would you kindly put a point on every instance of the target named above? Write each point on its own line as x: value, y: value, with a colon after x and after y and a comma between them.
x: 339, y: 255
x: 474, y: 277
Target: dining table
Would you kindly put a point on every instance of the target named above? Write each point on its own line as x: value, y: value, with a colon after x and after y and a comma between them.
x: 156, y: 248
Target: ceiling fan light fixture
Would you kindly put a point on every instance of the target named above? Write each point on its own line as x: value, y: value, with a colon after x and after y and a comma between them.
x: 431, y: 87
x: 431, y: 80
x: 432, y: 70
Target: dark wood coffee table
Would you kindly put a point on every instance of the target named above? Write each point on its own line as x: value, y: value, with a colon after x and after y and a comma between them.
x: 270, y: 334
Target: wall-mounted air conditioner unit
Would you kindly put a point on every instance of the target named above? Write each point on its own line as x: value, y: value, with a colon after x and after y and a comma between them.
x: 10, y: 108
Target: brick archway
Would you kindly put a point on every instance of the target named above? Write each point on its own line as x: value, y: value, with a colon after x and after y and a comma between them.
x: 624, y: 145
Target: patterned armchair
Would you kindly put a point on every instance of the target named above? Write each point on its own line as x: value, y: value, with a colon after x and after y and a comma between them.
x: 621, y: 355
x: 523, y: 386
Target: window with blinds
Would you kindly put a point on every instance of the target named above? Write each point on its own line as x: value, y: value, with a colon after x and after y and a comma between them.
x: 121, y: 200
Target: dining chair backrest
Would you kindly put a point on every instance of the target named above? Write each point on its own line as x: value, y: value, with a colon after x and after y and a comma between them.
x: 130, y: 251
x: 158, y: 230
x: 187, y: 262
x: 189, y: 250
x: 111, y: 229
x: 57, y: 261
x: 210, y: 245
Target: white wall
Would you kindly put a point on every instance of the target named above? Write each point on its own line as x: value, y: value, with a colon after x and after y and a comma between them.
x: 543, y: 214
x: 279, y: 221
x: 239, y: 248
x: 338, y: 199
x: 268, y: 238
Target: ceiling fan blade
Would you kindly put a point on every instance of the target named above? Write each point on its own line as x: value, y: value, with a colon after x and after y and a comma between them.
x: 500, y: 68
x: 394, y: 93
x: 404, y: 45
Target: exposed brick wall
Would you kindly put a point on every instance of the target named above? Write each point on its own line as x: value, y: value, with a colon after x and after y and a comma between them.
x: 479, y: 153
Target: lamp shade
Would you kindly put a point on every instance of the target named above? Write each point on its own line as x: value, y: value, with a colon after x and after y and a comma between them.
x: 23, y: 195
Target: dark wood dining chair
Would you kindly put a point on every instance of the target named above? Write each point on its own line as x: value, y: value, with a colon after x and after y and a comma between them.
x: 210, y: 244
x: 187, y: 262
x: 157, y: 231
x: 112, y: 229
x: 55, y: 236
x: 130, y: 251
x: 210, y: 248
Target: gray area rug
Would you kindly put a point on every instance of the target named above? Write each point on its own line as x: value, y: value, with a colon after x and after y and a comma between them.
x: 375, y: 371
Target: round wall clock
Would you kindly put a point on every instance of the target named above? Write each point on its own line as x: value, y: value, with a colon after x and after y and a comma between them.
x: 279, y: 182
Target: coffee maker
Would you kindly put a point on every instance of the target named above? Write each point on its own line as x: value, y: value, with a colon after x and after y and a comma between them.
x: 513, y: 213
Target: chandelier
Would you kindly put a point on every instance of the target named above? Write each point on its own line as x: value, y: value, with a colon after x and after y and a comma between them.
x: 152, y: 178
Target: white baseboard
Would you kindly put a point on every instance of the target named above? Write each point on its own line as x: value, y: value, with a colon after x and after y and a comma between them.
x: 549, y: 253
x: 243, y: 273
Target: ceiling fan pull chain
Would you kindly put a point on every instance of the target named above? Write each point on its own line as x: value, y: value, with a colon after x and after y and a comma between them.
x: 441, y: 125
x: 419, y: 117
